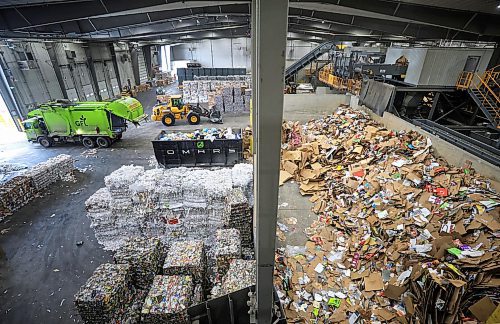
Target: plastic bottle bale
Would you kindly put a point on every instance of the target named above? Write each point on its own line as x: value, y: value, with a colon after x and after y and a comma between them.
x: 227, y: 248
x: 241, y: 274
x: 186, y: 258
x: 168, y: 300
x: 105, y: 295
x: 144, y: 256
x: 14, y: 194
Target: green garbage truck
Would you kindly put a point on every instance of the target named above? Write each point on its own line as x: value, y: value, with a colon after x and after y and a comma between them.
x: 90, y: 123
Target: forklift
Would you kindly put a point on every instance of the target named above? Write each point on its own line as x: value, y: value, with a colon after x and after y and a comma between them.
x: 175, y: 109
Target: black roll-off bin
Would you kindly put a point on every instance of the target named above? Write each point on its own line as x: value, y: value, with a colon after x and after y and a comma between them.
x: 199, y: 153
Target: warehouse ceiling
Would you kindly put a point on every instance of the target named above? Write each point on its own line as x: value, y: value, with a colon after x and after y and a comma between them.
x: 180, y: 21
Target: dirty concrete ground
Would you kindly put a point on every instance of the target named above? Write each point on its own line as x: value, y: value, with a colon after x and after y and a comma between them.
x: 41, y: 267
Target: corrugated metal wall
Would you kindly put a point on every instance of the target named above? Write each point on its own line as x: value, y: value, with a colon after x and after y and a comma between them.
x: 37, y: 83
x: 443, y: 65
x: 437, y: 66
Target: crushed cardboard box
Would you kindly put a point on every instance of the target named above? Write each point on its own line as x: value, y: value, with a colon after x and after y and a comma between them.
x: 401, y: 235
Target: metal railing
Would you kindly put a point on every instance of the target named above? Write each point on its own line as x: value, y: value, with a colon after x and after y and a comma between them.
x: 482, y: 85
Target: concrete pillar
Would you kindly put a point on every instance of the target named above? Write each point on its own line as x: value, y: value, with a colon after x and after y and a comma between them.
x: 115, y: 64
x: 269, y: 29
x: 93, y: 75
x: 134, y: 59
x: 57, y: 68
x: 146, y: 51
x: 8, y: 97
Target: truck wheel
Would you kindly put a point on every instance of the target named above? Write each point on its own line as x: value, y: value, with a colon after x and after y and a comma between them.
x: 45, y: 141
x: 168, y: 120
x: 103, y: 142
x: 193, y: 118
x: 88, y: 142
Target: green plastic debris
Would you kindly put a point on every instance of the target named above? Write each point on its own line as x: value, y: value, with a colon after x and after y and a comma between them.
x: 316, y: 312
x: 334, y: 302
x: 455, y: 251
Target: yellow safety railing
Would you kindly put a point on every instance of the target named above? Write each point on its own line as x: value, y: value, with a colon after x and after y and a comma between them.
x: 486, y: 87
x: 464, y: 80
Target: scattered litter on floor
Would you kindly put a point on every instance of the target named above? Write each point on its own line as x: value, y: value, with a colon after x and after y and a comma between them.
x: 90, y: 153
x: 401, y: 236
x: 291, y: 220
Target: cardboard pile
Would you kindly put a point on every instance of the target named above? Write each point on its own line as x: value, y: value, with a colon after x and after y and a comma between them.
x: 168, y: 300
x: 144, y: 256
x: 106, y: 294
x: 400, y: 235
x: 186, y: 258
x: 143, y: 87
x: 227, y: 248
x: 45, y: 173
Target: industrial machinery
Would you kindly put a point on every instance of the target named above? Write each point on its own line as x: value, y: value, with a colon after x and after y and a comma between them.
x: 175, y: 108
x: 91, y: 123
x: 127, y: 92
x: 467, y: 114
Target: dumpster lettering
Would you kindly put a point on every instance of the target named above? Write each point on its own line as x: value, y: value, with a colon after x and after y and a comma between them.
x: 81, y: 122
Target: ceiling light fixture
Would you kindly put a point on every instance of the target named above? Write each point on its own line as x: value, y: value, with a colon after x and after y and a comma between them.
x: 180, y: 20
x: 322, y: 21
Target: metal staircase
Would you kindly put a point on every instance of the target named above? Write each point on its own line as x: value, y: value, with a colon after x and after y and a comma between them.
x: 308, y: 58
x: 485, y: 91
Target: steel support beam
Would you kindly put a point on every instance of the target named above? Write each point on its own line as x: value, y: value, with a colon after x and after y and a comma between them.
x: 93, y: 74
x: 268, y: 49
x: 115, y: 65
x: 9, y: 98
x: 134, y: 59
x: 57, y: 69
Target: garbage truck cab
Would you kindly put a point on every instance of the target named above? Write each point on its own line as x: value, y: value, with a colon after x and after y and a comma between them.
x: 32, y: 129
x: 90, y: 123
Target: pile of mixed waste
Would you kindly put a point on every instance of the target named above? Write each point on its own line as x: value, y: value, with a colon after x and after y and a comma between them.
x: 210, y: 134
x: 401, y: 235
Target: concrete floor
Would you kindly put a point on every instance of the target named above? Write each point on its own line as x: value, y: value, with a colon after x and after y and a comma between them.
x: 41, y: 267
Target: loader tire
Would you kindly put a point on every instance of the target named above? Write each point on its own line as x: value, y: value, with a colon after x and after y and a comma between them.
x: 103, y: 142
x: 88, y: 142
x: 168, y: 120
x: 45, y: 141
x: 193, y: 118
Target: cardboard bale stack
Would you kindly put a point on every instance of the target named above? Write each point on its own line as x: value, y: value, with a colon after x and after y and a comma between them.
x: 401, y: 236
x: 14, y: 194
x: 106, y: 295
x: 227, y: 248
x: 45, y: 173
x: 168, y: 300
x: 186, y: 258
x: 145, y: 257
